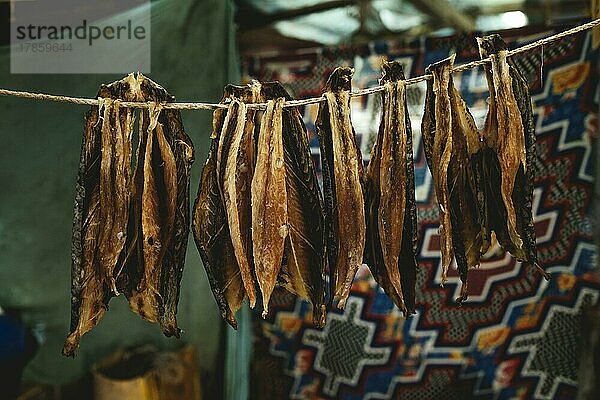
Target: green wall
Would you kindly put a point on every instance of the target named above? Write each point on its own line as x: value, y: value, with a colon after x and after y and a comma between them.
x: 192, y: 57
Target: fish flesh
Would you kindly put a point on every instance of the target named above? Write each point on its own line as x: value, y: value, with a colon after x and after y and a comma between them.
x: 269, y: 202
x: 91, y: 286
x: 115, y: 176
x: 509, y: 136
x: 238, y: 163
x: 390, y: 205
x: 130, y: 232
x: 157, y: 216
x: 451, y: 143
x: 436, y: 129
x: 174, y: 259
x: 209, y: 222
x: 342, y: 184
x: 154, y: 264
x: 304, y: 263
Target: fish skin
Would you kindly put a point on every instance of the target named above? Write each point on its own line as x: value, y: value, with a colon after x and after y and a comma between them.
x: 514, y: 137
x: 159, y: 218
x: 211, y: 235
x: 511, y: 141
x: 467, y: 232
x: 392, y: 180
x: 210, y: 228
x: 154, y: 291
x: 269, y: 202
x: 329, y: 197
x: 236, y: 167
x: 236, y: 184
x: 174, y: 259
x: 303, y: 270
x: 90, y: 290
x: 115, y: 171
x: 396, y: 274
x: 456, y: 181
x: 493, y: 215
x: 159, y: 195
x: 342, y: 174
x: 523, y: 195
x: 438, y: 150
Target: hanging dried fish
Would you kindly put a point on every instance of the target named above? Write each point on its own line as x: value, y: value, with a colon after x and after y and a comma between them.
x: 237, y: 180
x: 153, y: 266
x: 174, y: 259
x: 342, y: 183
x: 451, y: 143
x: 303, y: 268
x: 269, y: 202
x: 157, y: 216
x: 115, y: 172
x: 209, y: 222
x: 92, y: 286
x: 390, y: 205
x: 510, y: 163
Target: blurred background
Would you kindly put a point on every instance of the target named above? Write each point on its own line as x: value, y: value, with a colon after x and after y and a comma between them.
x: 517, y: 336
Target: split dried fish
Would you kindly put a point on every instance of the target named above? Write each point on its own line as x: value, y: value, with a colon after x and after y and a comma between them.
x: 269, y: 202
x: 509, y: 136
x: 390, y: 205
x: 342, y: 184
x: 303, y: 268
x: 209, y: 222
x: 129, y: 235
x: 115, y: 177
x: 164, y: 158
x: 451, y: 143
x: 237, y: 181
x: 92, y: 286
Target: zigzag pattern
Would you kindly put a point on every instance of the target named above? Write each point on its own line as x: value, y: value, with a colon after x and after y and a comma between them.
x: 507, y: 340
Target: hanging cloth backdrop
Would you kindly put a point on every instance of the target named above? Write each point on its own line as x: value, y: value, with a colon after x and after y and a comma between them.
x: 517, y: 336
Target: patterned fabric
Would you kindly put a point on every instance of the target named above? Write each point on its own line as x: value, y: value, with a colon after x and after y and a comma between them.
x: 517, y: 336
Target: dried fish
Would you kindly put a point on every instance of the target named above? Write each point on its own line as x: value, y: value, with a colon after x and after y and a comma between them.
x: 209, y: 222
x: 153, y: 267
x: 452, y: 142
x: 390, y: 205
x: 510, y: 140
x: 174, y: 259
x: 115, y: 171
x: 237, y: 180
x: 91, y: 286
x: 342, y: 184
x: 436, y: 128
x: 303, y: 269
x: 269, y: 202
x: 157, y: 216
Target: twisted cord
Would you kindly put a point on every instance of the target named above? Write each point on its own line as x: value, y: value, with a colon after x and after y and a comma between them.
x: 296, y: 103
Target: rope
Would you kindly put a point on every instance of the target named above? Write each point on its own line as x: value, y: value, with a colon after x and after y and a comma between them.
x: 296, y: 103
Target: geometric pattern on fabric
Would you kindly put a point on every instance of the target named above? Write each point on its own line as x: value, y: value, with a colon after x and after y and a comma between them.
x: 554, y: 357
x: 340, y: 355
x: 517, y: 336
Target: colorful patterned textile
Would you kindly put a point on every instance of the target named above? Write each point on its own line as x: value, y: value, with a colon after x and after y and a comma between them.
x: 517, y: 336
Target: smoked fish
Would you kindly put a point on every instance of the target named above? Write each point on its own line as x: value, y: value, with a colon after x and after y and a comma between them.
x: 390, y: 205
x: 342, y: 167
